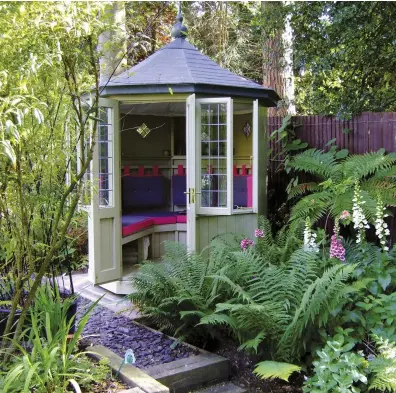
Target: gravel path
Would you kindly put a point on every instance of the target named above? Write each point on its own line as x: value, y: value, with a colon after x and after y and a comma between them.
x: 119, y: 333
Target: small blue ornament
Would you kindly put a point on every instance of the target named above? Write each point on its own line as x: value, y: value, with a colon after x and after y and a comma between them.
x: 129, y: 357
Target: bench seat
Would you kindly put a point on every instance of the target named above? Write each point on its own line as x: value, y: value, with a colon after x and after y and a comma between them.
x: 136, y: 222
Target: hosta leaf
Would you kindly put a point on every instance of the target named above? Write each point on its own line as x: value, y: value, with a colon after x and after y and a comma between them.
x: 384, y: 280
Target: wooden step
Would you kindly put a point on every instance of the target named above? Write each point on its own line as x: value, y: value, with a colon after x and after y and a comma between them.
x: 185, y: 375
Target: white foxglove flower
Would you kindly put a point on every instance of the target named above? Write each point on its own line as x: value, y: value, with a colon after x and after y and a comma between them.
x: 358, y: 217
x: 310, y: 238
x: 381, y: 227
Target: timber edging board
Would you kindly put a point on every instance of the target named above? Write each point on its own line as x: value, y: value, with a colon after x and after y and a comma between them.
x: 129, y: 374
x: 184, y: 375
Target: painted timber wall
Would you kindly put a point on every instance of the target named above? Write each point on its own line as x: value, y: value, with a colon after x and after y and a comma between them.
x: 209, y: 227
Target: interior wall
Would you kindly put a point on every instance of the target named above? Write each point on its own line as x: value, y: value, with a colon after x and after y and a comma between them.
x: 242, y: 146
x: 136, y: 150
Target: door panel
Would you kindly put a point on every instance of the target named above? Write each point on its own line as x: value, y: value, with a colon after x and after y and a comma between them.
x: 214, y: 154
x: 105, y: 257
x: 190, y: 173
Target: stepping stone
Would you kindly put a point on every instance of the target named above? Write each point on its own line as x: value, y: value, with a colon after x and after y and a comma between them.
x: 133, y: 390
x: 226, y: 387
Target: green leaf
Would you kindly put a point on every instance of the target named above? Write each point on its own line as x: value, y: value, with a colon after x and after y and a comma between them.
x: 331, y: 141
x: 269, y: 370
x: 342, y: 153
x: 384, y: 280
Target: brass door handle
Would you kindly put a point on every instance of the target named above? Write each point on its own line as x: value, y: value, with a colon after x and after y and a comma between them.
x: 191, y: 195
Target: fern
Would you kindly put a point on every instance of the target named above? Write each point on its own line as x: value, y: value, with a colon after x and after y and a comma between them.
x: 176, y: 293
x: 374, y: 171
x: 383, y: 367
x: 253, y: 343
x: 362, y: 165
x: 314, y: 161
x: 269, y: 370
x: 314, y: 206
x: 319, y: 300
x: 302, y: 188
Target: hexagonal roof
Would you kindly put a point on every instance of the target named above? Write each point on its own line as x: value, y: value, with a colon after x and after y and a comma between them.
x: 181, y: 67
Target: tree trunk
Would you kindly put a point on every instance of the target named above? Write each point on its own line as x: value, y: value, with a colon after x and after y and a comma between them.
x: 112, y: 44
x: 277, y: 58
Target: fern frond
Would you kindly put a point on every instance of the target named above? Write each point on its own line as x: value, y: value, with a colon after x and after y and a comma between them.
x: 314, y: 161
x: 313, y: 206
x: 302, y: 189
x: 253, y: 343
x: 269, y: 370
x: 358, y: 166
x: 217, y: 319
x: 319, y: 300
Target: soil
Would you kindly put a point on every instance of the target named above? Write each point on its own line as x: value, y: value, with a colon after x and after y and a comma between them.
x: 109, y: 386
x: 242, y: 366
x: 119, y: 334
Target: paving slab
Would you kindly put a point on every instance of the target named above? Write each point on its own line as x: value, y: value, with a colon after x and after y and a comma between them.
x: 115, y: 303
x: 133, y: 390
x: 225, y: 387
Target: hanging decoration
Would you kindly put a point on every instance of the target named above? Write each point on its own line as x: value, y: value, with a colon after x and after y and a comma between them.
x: 247, y: 129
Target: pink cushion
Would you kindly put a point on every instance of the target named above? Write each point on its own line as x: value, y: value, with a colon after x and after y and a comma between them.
x: 164, y: 220
x: 136, y: 227
x: 181, y: 219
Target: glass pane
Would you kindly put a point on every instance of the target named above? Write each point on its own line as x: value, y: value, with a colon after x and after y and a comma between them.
x: 105, y: 148
x: 213, y: 155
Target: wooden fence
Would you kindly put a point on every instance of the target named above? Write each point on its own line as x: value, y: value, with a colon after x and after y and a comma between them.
x: 363, y: 133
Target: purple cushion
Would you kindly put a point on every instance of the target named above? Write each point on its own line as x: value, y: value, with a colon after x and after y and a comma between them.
x: 143, y: 191
x: 240, y: 191
x: 179, y: 188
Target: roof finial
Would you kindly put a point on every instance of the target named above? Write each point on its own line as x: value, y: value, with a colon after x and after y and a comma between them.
x: 179, y: 30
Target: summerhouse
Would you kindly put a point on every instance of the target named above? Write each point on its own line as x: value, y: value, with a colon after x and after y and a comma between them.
x: 180, y: 156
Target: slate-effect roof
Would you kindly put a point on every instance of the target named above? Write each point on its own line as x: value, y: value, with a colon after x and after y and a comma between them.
x: 183, y: 68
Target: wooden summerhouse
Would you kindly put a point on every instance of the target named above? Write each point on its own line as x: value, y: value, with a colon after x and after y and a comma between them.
x: 181, y: 155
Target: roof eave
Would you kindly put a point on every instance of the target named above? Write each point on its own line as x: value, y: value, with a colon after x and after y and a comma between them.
x: 267, y: 96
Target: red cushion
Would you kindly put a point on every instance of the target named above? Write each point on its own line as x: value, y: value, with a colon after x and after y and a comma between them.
x: 136, y: 227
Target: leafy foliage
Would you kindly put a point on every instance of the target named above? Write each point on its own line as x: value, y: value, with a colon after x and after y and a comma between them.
x: 383, y: 366
x: 50, y: 363
x: 335, y: 177
x: 337, y: 369
x: 176, y: 293
x: 49, y: 60
x: 344, y: 56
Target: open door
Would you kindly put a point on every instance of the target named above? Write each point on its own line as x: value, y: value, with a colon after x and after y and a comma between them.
x: 210, y: 178
x: 104, y: 222
x: 190, y: 174
x: 209, y: 164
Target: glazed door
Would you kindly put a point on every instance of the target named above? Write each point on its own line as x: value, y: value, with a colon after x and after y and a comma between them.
x: 209, y: 163
x: 104, y: 226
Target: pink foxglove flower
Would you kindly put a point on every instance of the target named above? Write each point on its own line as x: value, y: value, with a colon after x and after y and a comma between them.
x: 345, y: 215
x: 246, y: 243
x: 259, y: 233
x: 337, y: 250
